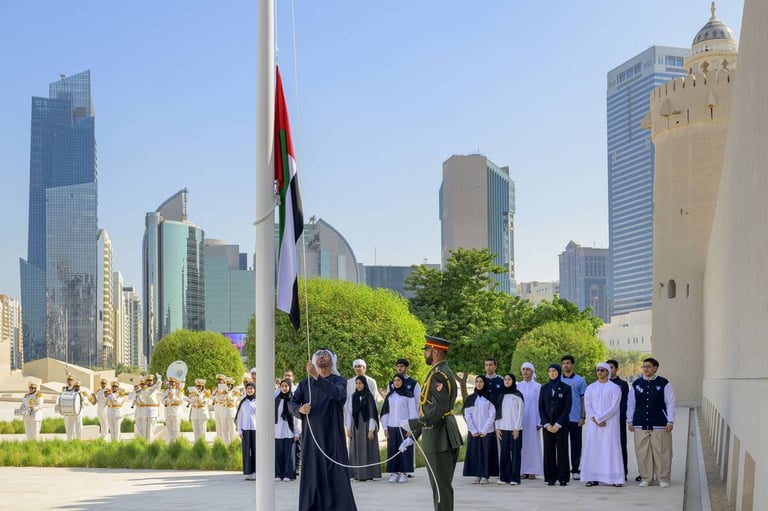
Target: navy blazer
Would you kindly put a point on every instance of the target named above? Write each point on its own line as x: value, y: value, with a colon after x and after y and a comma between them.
x: 555, y: 407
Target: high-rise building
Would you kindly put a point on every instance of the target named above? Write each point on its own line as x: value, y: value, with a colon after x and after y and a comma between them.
x: 630, y: 174
x: 134, y: 328
x: 173, y: 272
x: 230, y: 288
x: 391, y: 277
x: 477, y: 211
x: 119, y: 321
x: 11, y: 349
x: 584, y: 278
x: 328, y: 254
x: 105, y: 328
x: 59, y: 277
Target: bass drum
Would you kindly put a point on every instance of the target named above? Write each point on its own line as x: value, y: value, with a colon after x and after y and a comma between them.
x: 70, y: 403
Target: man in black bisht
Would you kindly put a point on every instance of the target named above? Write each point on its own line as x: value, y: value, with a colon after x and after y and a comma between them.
x: 319, y: 402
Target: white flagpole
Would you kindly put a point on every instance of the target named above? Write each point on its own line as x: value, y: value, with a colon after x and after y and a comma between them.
x: 264, y: 258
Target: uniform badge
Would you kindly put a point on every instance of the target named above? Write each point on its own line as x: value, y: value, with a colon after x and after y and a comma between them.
x: 560, y: 395
x: 438, y: 386
x: 640, y: 389
x: 658, y: 387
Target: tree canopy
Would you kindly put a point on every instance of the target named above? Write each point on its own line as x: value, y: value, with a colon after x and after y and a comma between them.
x: 548, y: 343
x: 205, y: 353
x: 354, y: 321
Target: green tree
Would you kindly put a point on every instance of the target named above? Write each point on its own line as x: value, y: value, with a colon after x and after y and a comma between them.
x: 353, y: 321
x: 205, y: 353
x: 547, y: 343
x: 462, y: 304
x: 629, y: 362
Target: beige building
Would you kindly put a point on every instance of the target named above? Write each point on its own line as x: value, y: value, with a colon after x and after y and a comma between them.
x: 735, y: 312
x: 688, y: 119
x: 628, y: 332
x: 710, y: 257
x: 477, y: 211
x: 105, y: 327
x: 536, y: 292
x: 11, y: 343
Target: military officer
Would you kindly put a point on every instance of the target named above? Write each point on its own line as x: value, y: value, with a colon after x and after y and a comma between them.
x: 441, y: 438
x: 33, y: 404
x: 233, y: 399
x: 77, y: 419
x: 69, y: 420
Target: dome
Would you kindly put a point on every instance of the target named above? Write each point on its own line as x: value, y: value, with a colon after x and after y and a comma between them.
x: 714, y: 30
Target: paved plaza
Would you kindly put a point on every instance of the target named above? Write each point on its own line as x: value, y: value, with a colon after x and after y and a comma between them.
x: 33, y: 488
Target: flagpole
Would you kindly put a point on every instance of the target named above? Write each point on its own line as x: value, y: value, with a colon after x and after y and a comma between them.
x: 264, y: 258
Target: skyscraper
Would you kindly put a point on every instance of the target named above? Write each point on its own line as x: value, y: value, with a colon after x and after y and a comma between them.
x: 173, y: 272
x: 477, y: 210
x: 59, y: 276
x: 630, y: 174
x: 230, y: 288
x: 583, y: 278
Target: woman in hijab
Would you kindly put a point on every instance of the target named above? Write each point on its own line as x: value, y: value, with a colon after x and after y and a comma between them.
x: 554, y: 407
x: 362, y: 422
x: 245, y: 418
x: 481, y: 460
x: 399, y: 406
x: 509, y: 430
x: 287, y: 434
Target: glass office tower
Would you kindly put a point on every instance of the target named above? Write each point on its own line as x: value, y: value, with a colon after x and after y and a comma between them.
x: 59, y: 275
x: 630, y: 174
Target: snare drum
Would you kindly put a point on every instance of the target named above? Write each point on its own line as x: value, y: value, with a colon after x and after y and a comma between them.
x: 70, y: 403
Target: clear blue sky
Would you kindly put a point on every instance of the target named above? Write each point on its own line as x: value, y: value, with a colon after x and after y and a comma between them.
x: 387, y: 92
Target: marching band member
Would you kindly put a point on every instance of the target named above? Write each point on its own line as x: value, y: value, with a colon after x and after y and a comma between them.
x: 69, y: 420
x: 173, y: 399
x: 233, y: 398
x: 115, y: 399
x: 100, y: 400
x: 77, y: 419
x: 220, y: 407
x: 149, y: 400
x: 138, y: 410
x: 33, y: 405
x: 199, y: 400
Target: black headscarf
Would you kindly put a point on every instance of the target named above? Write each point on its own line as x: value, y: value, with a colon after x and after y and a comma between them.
x: 484, y: 392
x: 553, y: 383
x: 507, y: 390
x: 363, y: 403
x: 394, y: 390
x: 285, y: 397
x: 247, y: 397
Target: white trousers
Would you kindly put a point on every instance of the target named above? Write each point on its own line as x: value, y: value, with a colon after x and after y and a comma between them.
x: 32, y: 428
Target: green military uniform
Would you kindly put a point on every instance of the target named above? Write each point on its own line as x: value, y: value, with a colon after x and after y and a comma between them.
x: 441, y: 438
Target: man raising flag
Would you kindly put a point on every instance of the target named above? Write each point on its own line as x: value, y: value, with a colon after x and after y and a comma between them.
x: 291, y: 215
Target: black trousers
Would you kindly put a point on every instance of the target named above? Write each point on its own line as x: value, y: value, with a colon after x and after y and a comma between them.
x: 574, y: 434
x: 510, y: 457
x: 249, y: 451
x: 284, y: 458
x: 556, y: 465
x: 623, y: 429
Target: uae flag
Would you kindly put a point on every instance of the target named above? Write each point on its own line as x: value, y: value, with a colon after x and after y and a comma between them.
x: 291, y: 216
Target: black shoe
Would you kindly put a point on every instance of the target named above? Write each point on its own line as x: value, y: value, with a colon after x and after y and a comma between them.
x: 638, y: 479
x: 592, y: 483
x: 551, y: 483
x: 563, y: 483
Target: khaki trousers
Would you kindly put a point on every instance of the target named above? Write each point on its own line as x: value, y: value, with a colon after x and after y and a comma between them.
x: 653, y: 449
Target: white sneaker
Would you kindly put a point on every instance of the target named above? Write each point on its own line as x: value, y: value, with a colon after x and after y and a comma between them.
x: 402, y: 479
x: 643, y: 484
x: 250, y: 477
x: 576, y: 476
x: 500, y: 482
x: 664, y: 483
x: 392, y: 478
x: 513, y: 483
x: 476, y: 480
x: 286, y: 479
x: 278, y: 479
x: 483, y: 481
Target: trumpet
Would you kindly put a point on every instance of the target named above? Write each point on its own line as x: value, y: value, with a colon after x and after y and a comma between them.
x: 92, y: 398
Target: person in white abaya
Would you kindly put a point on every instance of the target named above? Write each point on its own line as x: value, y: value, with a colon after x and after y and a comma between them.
x: 532, y: 461
x: 601, y: 461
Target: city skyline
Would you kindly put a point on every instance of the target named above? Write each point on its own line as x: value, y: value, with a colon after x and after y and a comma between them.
x: 182, y: 113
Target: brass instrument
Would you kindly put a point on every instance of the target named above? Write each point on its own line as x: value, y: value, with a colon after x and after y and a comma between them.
x: 92, y: 398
